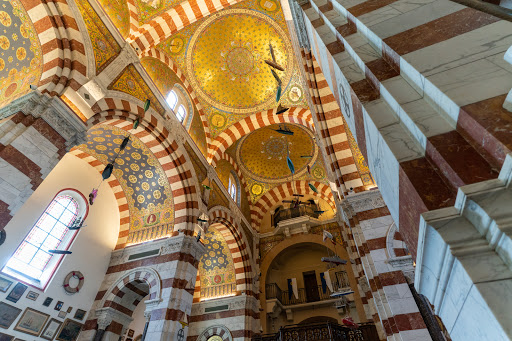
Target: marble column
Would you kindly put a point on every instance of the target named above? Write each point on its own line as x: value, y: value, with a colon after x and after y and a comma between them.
x: 464, y: 262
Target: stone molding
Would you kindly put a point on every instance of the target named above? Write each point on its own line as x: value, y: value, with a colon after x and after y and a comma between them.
x: 365, y: 201
x: 233, y: 302
x: 298, y: 20
x: 105, y: 316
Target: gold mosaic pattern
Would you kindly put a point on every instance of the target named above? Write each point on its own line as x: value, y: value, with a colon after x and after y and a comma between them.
x: 226, y: 60
x: 104, y: 45
x: 263, y: 153
x: 21, y: 61
x: 216, y: 266
x: 118, y: 12
x: 131, y: 82
x: 362, y: 166
x: 142, y: 178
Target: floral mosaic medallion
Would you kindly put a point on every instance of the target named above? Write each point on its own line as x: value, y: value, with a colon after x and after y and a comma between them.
x: 20, y: 52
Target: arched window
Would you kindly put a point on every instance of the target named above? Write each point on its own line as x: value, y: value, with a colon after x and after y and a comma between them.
x: 181, y: 113
x: 172, y: 99
x: 234, y: 188
x: 31, y: 261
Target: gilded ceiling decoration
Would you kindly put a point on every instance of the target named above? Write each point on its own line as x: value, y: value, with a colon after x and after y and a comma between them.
x: 21, y: 61
x: 104, y: 45
x: 362, y: 166
x: 263, y: 153
x: 142, y: 178
x: 222, y: 56
x: 226, y: 60
x: 216, y: 266
x: 149, y: 9
x: 118, y: 12
x: 132, y: 83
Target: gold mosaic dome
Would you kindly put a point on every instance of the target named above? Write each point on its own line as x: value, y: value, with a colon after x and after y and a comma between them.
x: 226, y: 60
x: 263, y: 153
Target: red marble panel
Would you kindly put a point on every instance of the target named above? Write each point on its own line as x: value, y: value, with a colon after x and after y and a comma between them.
x: 439, y: 30
x: 457, y: 161
x: 489, y: 126
x: 365, y: 90
x: 420, y: 189
x: 409, y: 321
x: 22, y: 163
x: 335, y: 47
x: 368, y: 6
x: 392, y: 278
x: 381, y: 69
x: 5, y: 214
x: 347, y: 29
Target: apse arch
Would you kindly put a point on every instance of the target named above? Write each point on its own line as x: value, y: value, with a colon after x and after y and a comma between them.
x: 169, y: 152
x: 253, y: 122
x: 278, y: 193
x: 221, y: 218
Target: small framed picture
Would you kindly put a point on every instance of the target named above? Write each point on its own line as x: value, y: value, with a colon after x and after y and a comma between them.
x: 32, y: 295
x: 31, y: 322
x: 5, y: 337
x: 16, y: 292
x: 4, y: 284
x: 47, y: 301
x: 69, y: 309
x: 8, y: 315
x: 131, y: 332
x: 62, y: 314
x: 59, y: 305
x: 69, y: 331
x: 51, y: 329
x: 79, y: 314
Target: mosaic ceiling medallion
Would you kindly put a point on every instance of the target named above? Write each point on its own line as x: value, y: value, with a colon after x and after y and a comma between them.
x: 226, y: 57
x: 263, y: 154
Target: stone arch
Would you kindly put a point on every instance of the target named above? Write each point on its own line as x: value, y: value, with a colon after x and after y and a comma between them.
x: 218, y: 330
x: 220, y: 217
x: 157, y: 54
x: 147, y: 275
x: 253, y: 122
x: 395, y: 245
x: 64, y: 61
x: 278, y: 193
x: 170, y: 153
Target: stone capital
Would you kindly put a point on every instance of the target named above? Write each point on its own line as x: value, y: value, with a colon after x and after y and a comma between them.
x: 105, y: 316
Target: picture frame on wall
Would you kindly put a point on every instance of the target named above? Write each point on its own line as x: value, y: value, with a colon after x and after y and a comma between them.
x: 32, y: 295
x: 69, y: 309
x: 5, y: 284
x: 16, y: 292
x: 47, y: 301
x: 62, y: 314
x: 59, y: 305
x: 8, y: 314
x: 69, y: 331
x: 5, y: 337
x: 131, y: 332
x: 51, y: 329
x: 79, y: 314
x: 31, y: 322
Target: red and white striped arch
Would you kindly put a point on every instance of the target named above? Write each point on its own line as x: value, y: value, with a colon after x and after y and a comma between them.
x: 220, y: 218
x: 134, y: 18
x: 172, y: 157
x: 173, y: 20
x: 253, y: 122
x: 63, y: 48
x: 155, y: 53
x: 286, y: 190
x: 122, y: 203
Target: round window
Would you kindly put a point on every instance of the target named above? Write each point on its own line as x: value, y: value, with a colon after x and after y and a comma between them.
x: 215, y: 338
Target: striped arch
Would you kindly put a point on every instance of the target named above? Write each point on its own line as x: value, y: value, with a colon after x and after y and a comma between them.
x: 253, y: 122
x: 238, y: 172
x: 286, y: 190
x: 173, y: 20
x: 124, y: 211
x: 63, y: 49
x: 172, y: 156
x: 124, y: 296
x: 134, y: 18
x: 331, y: 128
x: 220, y: 218
x: 175, y: 68
x: 220, y: 331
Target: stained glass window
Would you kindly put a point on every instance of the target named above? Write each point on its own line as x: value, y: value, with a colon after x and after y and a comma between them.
x: 172, y: 99
x: 32, y: 256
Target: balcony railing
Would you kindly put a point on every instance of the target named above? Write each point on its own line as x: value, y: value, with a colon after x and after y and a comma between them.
x: 322, y: 332
x: 272, y: 291
x: 289, y: 213
x: 218, y: 291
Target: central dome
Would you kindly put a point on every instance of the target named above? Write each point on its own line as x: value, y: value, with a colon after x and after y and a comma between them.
x: 226, y: 60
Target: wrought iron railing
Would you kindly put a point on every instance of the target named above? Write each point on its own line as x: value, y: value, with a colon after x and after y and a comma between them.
x: 272, y: 291
x: 322, y: 332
